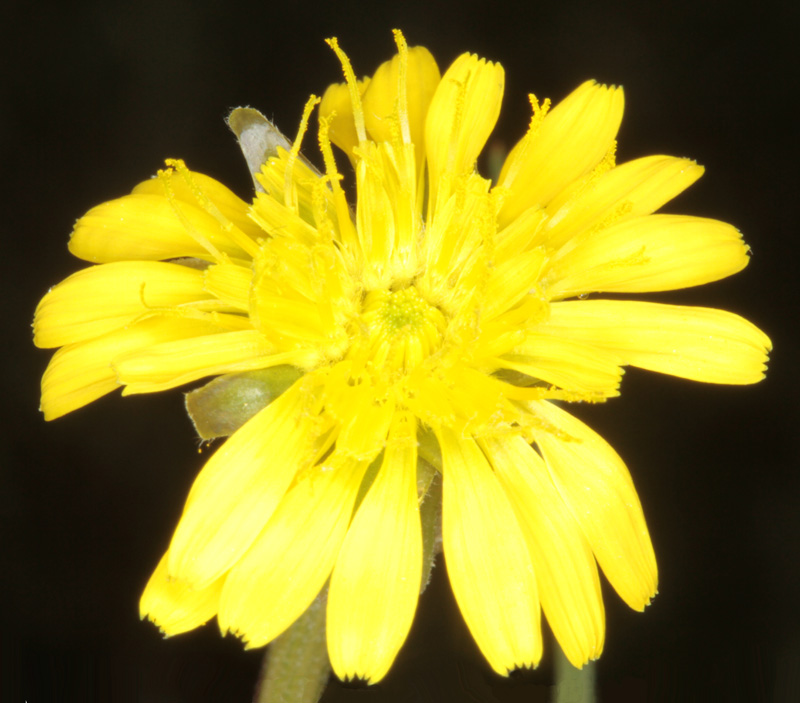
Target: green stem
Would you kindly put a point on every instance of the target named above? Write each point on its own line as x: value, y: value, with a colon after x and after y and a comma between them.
x: 296, y: 666
x: 573, y: 685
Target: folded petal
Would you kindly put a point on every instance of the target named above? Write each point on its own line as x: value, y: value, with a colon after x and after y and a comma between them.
x: 80, y: 373
x: 149, y: 227
x: 644, y: 254
x: 100, y: 299
x: 287, y: 565
x: 629, y: 190
x: 461, y: 116
x: 174, y: 606
x: 487, y: 558
x: 196, y: 187
x: 239, y: 488
x: 566, y: 573
x: 701, y: 344
x: 570, y: 141
x: 375, y: 585
x: 595, y: 484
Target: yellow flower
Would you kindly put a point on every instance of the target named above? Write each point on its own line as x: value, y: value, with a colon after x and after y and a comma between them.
x: 438, y: 303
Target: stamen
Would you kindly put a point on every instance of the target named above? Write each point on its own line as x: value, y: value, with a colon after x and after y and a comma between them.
x: 455, y: 128
x: 231, y: 230
x: 352, y: 85
x: 320, y: 200
x: 288, y: 190
x: 609, y: 160
x: 347, y: 230
x: 402, y: 85
x: 539, y: 113
x: 165, y: 176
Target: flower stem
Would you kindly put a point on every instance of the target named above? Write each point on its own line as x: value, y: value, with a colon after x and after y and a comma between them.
x: 296, y: 666
x: 573, y: 685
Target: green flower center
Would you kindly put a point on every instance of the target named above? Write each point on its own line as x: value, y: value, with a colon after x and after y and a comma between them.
x: 402, y: 330
x: 403, y: 309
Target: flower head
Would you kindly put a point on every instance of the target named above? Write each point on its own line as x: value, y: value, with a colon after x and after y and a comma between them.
x: 438, y: 304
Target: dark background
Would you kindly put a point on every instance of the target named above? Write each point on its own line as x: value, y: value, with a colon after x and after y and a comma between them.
x: 94, y: 96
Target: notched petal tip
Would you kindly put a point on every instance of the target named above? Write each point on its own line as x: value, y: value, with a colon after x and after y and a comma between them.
x: 561, y: 147
x: 462, y: 114
x: 646, y: 601
x: 522, y: 672
x: 356, y: 682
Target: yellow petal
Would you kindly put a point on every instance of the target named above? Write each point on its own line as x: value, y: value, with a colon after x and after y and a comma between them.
x: 702, y: 344
x: 452, y: 245
x: 286, y: 567
x: 595, y: 484
x: 103, y: 298
x: 487, y: 559
x: 631, y: 189
x: 230, y: 283
x: 375, y: 585
x: 520, y: 235
x: 564, y: 363
x: 570, y: 141
x: 510, y: 281
x: 83, y: 372
x: 147, y: 227
x: 360, y: 439
x: 461, y: 116
x: 175, y: 607
x: 644, y: 254
x: 225, y: 200
x: 239, y: 488
x: 380, y: 99
x: 375, y: 223
x: 566, y: 574
x: 163, y: 366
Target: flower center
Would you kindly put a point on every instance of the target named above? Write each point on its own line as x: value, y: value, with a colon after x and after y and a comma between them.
x: 402, y: 330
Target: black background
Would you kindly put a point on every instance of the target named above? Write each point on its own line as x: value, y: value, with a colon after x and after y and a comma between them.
x: 96, y: 95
